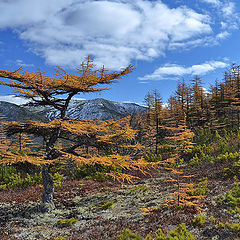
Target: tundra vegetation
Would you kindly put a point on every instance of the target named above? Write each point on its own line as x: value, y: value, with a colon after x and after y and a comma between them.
x: 169, y: 173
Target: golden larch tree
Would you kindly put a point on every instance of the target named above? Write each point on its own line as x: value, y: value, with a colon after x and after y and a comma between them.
x: 57, y: 92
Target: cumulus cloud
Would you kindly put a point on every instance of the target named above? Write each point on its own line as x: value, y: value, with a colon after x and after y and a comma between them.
x: 170, y: 71
x: 20, y: 63
x: 215, y: 2
x: 113, y: 32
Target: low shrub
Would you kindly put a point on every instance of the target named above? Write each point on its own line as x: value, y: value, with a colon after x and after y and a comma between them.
x: 179, y: 233
x: 106, y: 205
x: 199, y: 220
x: 66, y: 222
x: 231, y: 198
x: 201, y: 189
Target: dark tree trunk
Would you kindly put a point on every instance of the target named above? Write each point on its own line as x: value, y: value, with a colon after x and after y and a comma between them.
x: 47, y: 198
x: 51, y: 154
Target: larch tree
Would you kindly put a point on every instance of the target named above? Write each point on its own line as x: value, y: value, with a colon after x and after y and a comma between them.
x: 181, y: 141
x: 153, y: 101
x: 57, y: 92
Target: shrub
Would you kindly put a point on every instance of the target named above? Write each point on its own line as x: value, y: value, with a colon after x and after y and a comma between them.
x: 231, y: 226
x: 201, y: 189
x: 106, y: 205
x: 60, y: 238
x: 195, y: 161
x: 199, y: 220
x: 213, y: 219
x: 57, y: 179
x: 234, y: 170
x: 231, y: 198
x: 14, y: 180
x: 96, y: 173
x: 140, y: 188
x: 127, y: 234
x: 66, y: 222
x: 179, y: 233
x: 228, y: 157
x: 151, y: 157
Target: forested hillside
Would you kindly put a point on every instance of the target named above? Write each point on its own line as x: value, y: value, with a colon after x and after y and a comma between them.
x: 170, y: 172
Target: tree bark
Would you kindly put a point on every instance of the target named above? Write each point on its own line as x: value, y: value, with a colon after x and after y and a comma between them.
x: 47, y: 198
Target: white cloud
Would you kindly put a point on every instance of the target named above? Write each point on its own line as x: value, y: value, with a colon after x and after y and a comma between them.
x: 170, y: 71
x: 143, y: 82
x: 228, y: 9
x: 223, y: 35
x: 114, y: 32
x: 215, y: 2
x: 205, y: 91
x: 20, y: 63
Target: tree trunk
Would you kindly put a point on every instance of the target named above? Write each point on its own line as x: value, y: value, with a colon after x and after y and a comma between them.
x: 47, y: 198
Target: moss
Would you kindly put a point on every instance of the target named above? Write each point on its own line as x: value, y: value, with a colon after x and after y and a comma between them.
x: 60, y: 238
x: 66, y: 222
x: 106, y: 205
x: 140, y: 188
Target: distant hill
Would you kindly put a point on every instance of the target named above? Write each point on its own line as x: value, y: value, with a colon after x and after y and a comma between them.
x: 79, y: 109
x: 13, y: 112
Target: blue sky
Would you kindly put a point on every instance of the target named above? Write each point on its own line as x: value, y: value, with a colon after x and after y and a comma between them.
x: 166, y: 40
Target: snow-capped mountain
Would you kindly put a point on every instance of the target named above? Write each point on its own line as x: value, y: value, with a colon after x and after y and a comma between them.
x: 92, y: 109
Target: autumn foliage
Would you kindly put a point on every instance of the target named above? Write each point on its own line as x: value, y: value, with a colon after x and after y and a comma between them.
x: 107, y: 138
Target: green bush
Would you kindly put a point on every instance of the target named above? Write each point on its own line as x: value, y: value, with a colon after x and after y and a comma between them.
x: 199, y: 220
x: 204, y: 136
x: 60, y: 238
x: 96, y: 173
x: 234, y: 170
x: 152, y: 157
x: 66, y: 222
x: 201, y: 189
x: 57, y: 179
x: 231, y: 198
x: 201, y: 149
x: 106, y: 205
x: 140, y: 188
x: 179, y: 233
x: 208, y: 158
x: 195, y: 161
x: 5, y: 172
x: 15, y: 180
x: 228, y: 157
x: 231, y: 226
x: 127, y: 234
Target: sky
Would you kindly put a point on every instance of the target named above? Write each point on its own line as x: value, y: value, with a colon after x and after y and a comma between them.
x: 165, y: 40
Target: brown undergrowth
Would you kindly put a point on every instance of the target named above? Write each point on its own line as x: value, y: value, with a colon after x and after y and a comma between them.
x: 82, y: 200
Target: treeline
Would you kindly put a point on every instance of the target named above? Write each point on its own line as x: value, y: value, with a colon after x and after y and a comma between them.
x: 216, y: 109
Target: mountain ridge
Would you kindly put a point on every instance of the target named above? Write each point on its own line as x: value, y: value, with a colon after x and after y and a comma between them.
x: 93, y: 109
